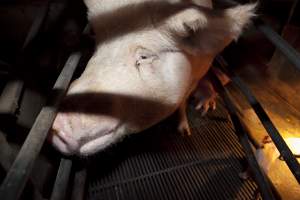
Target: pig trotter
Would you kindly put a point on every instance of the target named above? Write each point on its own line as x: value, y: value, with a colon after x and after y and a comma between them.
x: 183, y: 126
x: 206, y: 96
x: 206, y: 103
x: 245, y: 175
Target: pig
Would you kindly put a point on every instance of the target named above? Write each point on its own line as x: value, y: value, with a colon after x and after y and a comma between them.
x: 149, y: 57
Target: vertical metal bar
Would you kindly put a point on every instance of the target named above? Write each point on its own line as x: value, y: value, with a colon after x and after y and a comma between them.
x: 9, y: 98
x: 292, y: 55
x: 259, y: 176
x: 37, y: 24
x: 62, y: 180
x: 292, y: 11
x: 79, y: 185
x: 279, y: 142
x: 18, y: 174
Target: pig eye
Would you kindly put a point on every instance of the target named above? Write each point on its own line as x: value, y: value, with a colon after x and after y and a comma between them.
x: 144, y: 57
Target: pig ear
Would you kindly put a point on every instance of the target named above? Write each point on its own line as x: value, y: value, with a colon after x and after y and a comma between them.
x: 187, y: 22
x: 237, y: 18
x: 209, y: 31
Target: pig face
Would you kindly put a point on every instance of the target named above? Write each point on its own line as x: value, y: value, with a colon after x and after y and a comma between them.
x: 149, y: 56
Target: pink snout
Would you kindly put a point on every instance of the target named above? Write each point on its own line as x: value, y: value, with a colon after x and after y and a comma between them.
x: 72, y: 132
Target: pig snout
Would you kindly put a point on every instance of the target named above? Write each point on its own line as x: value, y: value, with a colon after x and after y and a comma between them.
x: 79, y: 134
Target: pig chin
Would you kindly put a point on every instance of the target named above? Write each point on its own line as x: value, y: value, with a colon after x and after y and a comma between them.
x: 86, y: 142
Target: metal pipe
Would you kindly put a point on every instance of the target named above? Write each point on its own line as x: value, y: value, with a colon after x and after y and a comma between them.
x: 16, y: 178
x: 62, y: 180
x: 292, y: 54
x: 259, y: 176
x: 279, y: 142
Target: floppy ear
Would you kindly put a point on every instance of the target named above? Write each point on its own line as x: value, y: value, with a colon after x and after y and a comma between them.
x: 209, y: 31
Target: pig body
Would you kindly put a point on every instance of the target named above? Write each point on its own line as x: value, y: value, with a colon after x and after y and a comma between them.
x: 149, y: 57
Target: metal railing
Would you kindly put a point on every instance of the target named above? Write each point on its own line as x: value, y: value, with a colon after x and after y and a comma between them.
x: 18, y: 174
x: 242, y: 134
x: 269, y: 126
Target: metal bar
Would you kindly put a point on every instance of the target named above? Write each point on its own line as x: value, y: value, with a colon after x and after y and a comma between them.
x: 259, y: 176
x: 18, y: 174
x: 78, y: 189
x: 37, y: 24
x: 292, y: 55
x: 7, y: 157
x: 62, y: 180
x: 279, y: 142
x: 9, y: 99
x: 292, y: 11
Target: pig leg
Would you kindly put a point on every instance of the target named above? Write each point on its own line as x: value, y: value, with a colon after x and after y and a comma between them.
x: 205, y: 95
x: 183, y: 126
x: 205, y: 92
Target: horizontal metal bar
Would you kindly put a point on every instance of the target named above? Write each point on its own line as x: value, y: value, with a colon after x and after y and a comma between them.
x: 279, y: 142
x: 259, y: 176
x: 15, y: 180
x: 292, y: 54
x: 62, y: 180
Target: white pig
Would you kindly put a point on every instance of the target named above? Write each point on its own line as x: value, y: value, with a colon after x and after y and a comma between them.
x: 149, y: 57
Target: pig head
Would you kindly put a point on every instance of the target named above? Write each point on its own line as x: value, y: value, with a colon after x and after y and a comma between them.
x: 149, y: 56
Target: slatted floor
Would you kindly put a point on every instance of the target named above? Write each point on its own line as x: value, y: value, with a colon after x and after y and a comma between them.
x: 161, y: 164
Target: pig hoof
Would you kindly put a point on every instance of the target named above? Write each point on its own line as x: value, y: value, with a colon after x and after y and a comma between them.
x: 244, y: 175
x: 206, y: 104
x: 184, y: 129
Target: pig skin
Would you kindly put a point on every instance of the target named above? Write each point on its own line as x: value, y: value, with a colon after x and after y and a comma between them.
x: 149, y: 57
